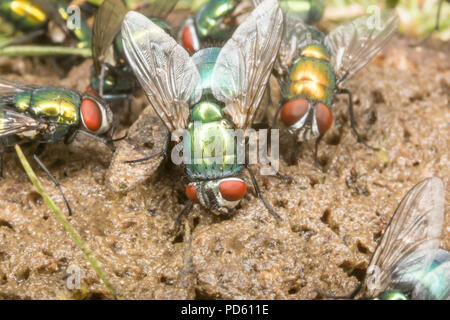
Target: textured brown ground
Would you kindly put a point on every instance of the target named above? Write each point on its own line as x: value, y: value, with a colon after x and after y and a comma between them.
x: 332, y: 219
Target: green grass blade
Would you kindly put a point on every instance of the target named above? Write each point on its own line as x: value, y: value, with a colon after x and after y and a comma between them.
x: 32, y: 51
x: 73, y: 234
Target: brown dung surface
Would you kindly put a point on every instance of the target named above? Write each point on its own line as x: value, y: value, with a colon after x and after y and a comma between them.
x: 332, y: 218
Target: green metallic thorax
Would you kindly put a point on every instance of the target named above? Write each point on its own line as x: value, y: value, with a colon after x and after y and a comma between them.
x: 312, y: 76
x: 23, y: 13
x: 55, y: 104
x: 208, y: 127
x: 391, y: 295
x: 210, y: 17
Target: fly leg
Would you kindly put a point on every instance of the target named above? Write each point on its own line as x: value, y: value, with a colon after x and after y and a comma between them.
x: 436, y: 26
x: 163, y: 152
x: 186, y: 209
x: 316, y: 152
x: 108, y: 142
x: 101, y: 80
x: 39, y: 151
x: 352, y: 119
x: 263, y: 114
x: 259, y: 194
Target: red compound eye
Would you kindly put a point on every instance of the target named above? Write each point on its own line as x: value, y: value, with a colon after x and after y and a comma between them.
x: 191, y: 193
x: 187, y: 39
x: 324, y: 117
x: 293, y: 110
x: 91, y: 114
x: 233, y: 190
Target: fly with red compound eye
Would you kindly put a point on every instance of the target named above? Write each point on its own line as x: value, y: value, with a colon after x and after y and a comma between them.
x: 206, y: 96
x: 30, y: 113
x: 311, y: 69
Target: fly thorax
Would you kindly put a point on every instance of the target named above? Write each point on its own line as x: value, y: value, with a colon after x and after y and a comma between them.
x: 53, y: 104
x: 220, y: 196
x: 309, y: 93
x: 311, y: 78
x: 392, y: 295
x: 212, y: 142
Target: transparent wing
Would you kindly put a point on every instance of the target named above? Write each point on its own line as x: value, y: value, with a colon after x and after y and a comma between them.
x: 12, y: 122
x: 413, y: 233
x: 156, y: 8
x: 245, y: 62
x: 353, y: 45
x: 163, y: 68
x: 107, y: 23
x: 10, y: 87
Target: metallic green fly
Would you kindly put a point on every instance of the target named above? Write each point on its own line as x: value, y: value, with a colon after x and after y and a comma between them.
x: 112, y: 76
x: 216, y: 90
x: 408, y: 263
x: 217, y: 19
x: 32, y: 16
x: 30, y: 113
x: 312, y: 67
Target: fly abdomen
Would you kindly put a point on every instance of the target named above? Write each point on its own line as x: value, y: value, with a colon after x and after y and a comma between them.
x: 312, y: 76
x: 55, y: 104
x: 23, y: 13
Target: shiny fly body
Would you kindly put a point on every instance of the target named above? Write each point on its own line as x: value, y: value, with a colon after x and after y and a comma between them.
x: 217, y: 19
x: 32, y: 16
x: 30, y: 113
x: 312, y: 67
x: 205, y: 97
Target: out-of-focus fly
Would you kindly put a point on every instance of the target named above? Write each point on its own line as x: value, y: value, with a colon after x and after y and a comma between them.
x: 30, y: 113
x: 217, y: 19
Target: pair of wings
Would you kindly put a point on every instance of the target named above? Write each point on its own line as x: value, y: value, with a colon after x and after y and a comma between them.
x: 350, y: 45
x: 170, y: 78
x: 410, y: 244
x: 12, y: 121
x: 108, y: 21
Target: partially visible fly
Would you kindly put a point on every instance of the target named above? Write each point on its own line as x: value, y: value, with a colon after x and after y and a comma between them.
x: 214, y: 90
x: 311, y: 69
x: 112, y: 76
x: 32, y: 16
x: 30, y: 113
x: 216, y: 20
x: 408, y: 263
